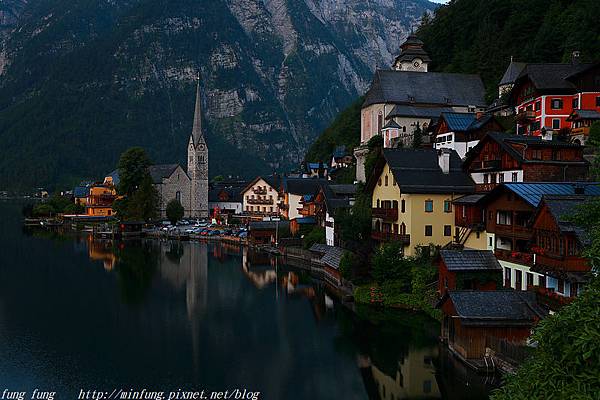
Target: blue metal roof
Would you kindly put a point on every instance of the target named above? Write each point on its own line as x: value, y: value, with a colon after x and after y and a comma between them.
x: 533, y: 192
x: 306, y: 220
x: 81, y: 191
x: 458, y: 121
x: 316, y: 165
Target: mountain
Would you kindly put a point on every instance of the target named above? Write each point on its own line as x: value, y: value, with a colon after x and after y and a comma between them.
x: 474, y: 36
x: 82, y: 80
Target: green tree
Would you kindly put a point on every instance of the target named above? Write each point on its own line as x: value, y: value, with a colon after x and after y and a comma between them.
x: 43, y: 210
x: 316, y: 235
x: 389, y: 265
x: 133, y: 169
x: 143, y: 204
x: 175, y: 211
x: 417, y: 140
x: 73, y: 208
x: 594, y: 137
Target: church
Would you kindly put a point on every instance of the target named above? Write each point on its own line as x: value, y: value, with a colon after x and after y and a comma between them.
x: 189, y: 187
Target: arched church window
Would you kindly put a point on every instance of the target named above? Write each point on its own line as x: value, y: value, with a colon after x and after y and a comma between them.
x: 178, y: 196
x: 201, y: 159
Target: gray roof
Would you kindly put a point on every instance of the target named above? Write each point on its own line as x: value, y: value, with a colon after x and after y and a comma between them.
x: 585, y: 114
x: 161, y: 171
x: 552, y: 76
x: 319, y: 248
x: 512, y: 72
x: 302, y: 186
x: 562, y: 208
x: 408, y: 87
x: 418, y: 171
x: 496, y: 307
x: 402, y: 110
x: 333, y: 257
x: 268, y: 225
x: 343, y: 189
x: 391, y: 124
x: 469, y: 199
x: 470, y: 260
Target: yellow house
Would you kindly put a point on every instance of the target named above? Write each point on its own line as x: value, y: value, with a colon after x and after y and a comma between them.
x: 412, y: 193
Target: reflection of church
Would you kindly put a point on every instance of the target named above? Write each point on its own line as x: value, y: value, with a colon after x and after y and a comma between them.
x: 414, y: 379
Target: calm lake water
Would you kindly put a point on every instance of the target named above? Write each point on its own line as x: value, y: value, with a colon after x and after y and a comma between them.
x: 94, y: 315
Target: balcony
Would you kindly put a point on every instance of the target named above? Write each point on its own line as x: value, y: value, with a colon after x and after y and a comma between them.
x: 485, y: 187
x: 561, y: 263
x: 517, y: 257
x: 518, y: 231
x: 525, y: 117
x: 488, y: 165
x: 390, y: 237
x: 258, y: 190
x: 584, y: 131
x: 260, y: 201
x: 387, y: 214
x: 549, y: 298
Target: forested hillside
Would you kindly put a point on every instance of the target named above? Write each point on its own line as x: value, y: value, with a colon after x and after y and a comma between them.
x: 475, y: 36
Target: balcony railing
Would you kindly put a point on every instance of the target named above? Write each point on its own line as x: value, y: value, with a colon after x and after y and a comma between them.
x: 549, y: 298
x: 388, y: 214
x: 562, y: 263
x: 485, y: 187
x: 488, y: 165
x: 518, y: 257
x: 525, y: 117
x: 260, y: 201
x: 585, y: 131
x: 390, y: 236
x: 513, y: 230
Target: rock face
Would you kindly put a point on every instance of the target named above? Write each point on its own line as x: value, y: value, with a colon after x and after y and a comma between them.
x: 81, y: 83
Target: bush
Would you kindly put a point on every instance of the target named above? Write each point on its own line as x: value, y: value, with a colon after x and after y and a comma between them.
x: 74, y: 209
x: 175, y: 211
x: 389, y: 264
x: 316, y: 235
x: 43, y: 210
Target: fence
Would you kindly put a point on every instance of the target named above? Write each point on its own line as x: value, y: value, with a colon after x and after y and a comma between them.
x: 513, y: 352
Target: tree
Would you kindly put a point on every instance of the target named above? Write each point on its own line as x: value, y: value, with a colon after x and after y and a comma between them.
x: 389, y: 265
x: 133, y: 168
x: 594, y: 137
x: 174, y: 211
x: 316, y: 235
x: 417, y: 137
x: 74, y: 209
x: 143, y: 204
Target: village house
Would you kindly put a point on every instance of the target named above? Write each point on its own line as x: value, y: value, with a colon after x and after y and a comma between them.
x: 408, y: 97
x: 504, y: 218
x: 545, y: 95
x: 341, y: 158
x: 295, y: 192
x: 225, y: 197
x: 463, y: 131
x: 558, y: 246
x: 502, y: 157
x: 468, y: 270
x: 581, y: 122
x: 412, y: 193
x: 471, y: 319
x: 261, y: 198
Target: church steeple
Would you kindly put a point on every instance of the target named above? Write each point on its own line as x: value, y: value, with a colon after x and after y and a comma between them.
x: 197, y: 135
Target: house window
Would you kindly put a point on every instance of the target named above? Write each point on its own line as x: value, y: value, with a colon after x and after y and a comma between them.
x: 501, y: 177
x: 561, y: 286
x: 428, y: 205
x: 485, y: 178
x: 403, y: 205
x: 538, y: 105
x: 447, y: 230
x: 504, y: 218
x: 428, y: 230
x: 542, y: 281
x: 575, y: 103
x: 386, y: 180
x: 178, y: 196
x: 529, y: 279
x: 379, y: 182
x: 447, y: 206
x: 379, y: 122
x: 597, y: 101
x: 557, y: 104
x: 507, y: 277
x: 555, y: 123
x: 515, y: 177
x: 518, y: 279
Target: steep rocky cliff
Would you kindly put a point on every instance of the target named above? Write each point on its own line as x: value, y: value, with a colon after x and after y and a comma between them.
x: 84, y: 79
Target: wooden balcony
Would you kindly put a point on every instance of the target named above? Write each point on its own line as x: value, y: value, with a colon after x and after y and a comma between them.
x: 387, y: 214
x: 516, y: 257
x: 549, y: 298
x: 489, y: 165
x: 485, y: 187
x: 259, y: 191
x: 585, y: 131
x: 562, y: 263
x: 516, y: 231
x: 525, y: 117
x: 390, y: 236
x: 260, y: 201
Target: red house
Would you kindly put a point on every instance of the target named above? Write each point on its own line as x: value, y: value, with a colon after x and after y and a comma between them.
x: 502, y: 157
x: 546, y: 94
x: 468, y: 270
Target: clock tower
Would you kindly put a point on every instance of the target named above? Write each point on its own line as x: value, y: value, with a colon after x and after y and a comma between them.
x: 412, y: 56
x: 198, y: 163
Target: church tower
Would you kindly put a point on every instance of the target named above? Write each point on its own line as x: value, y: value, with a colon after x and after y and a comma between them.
x: 198, y: 163
x: 412, y: 56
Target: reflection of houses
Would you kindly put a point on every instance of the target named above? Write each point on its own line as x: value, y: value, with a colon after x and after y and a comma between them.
x: 501, y: 157
x: 470, y: 317
x: 468, y: 270
x: 414, y: 378
x: 101, y: 250
x: 267, y: 232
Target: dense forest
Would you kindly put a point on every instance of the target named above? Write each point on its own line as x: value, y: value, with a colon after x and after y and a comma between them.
x: 474, y: 36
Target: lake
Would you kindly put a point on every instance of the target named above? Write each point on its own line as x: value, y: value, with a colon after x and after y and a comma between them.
x: 118, y: 317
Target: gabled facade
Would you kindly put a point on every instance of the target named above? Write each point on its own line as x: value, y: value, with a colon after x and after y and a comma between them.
x: 501, y: 157
x: 262, y: 198
x: 544, y: 95
x: 412, y: 192
x: 468, y: 270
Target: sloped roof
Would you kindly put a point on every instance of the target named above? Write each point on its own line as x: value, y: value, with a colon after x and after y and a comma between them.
x: 81, y: 191
x: 319, y: 248
x: 409, y: 87
x: 584, y: 114
x: 470, y: 260
x: 552, y: 76
x: 340, y: 151
x: 402, y: 110
x: 458, y: 121
x: 418, y: 171
x: 495, y: 307
x: 532, y: 192
x: 469, y: 199
x: 561, y: 208
x: 115, y: 177
x: 343, y: 189
x: 161, y: 171
x: 302, y: 186
x: 391, y: 124
x: 333, y: 257
x: 512, y: 72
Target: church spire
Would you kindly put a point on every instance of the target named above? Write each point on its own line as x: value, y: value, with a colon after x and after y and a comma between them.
x: 197, y: 129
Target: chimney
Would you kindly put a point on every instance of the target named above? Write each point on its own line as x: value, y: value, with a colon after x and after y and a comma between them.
x: 444, y: 160
x: 575, y: 57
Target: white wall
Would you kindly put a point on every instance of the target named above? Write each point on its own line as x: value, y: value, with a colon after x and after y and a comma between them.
x: 478, y: 176
x: 329, y: 230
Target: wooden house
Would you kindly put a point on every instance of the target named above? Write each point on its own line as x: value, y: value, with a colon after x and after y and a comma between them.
x: 501, y: 157
x: 468, y: 270
x: 471, y: 317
